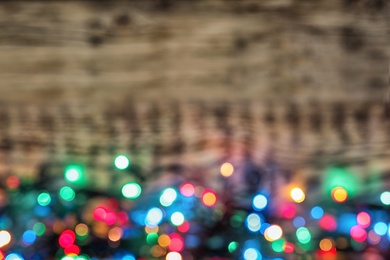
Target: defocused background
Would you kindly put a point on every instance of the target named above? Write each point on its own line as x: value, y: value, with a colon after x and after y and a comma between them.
x: 205, y: 129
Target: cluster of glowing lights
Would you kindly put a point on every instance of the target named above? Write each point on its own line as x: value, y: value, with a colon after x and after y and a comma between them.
x: 303, y: 235
x: 187, y: 189
x: 358, y: 233
x: 167, y: 197
x: 177, y: 218
x: 273, y: 232
x: 67, y: 193
x: 209, y: 198
x: 227, y: 169
x: 253, y: 222
x: 259, y: 202
x: 131, y: 190
x: 297, y: 195
x: 44, y: 199
x: 121, y: 162
x: 101, y: 213
x: 385, y: 198
x: 5, y: 238
x: 339, y: 194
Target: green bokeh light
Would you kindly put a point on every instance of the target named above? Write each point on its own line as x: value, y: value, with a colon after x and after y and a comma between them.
x: 303, y: 235
x: 67, y: 193
x: 75, y: 174
x: 278, y: 245
x: 121, y: 162
x: 44, y: 199
x: 131, y: 190
x: 39, y: 228
x: 152, y: 238
x: 232, y: 246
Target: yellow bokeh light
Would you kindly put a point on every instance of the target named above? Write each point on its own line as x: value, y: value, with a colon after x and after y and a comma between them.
x: 115, y: 234
x: 81, y: 229
x: 297, y: 195
x: 339, y: 194
x: 164, y: 240
x: 149, y: 230
x: 157, y: 251
x: 227, y: 169
x: 273, y: 233
x: 326, y: 244
x: 5, y: 238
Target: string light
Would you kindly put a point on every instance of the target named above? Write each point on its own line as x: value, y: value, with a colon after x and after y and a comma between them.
x: 121, y: 162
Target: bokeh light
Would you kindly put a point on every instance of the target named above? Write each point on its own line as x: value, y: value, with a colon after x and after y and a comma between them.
x: 14, y: 256
x: 187, y: 189
x: 173, y: 256
x: 259, y: 202
x: 339, y: 194
x: 209, y: 198
x: 75, y: 174
x: 177, y: 218
x: 44, y: 199
x: 303, y: 235
x: 227, y: 169
x: 29, y: 237
x: 131, y: 190
x: 232, y: 246
x: 273, y: 233
x: 385, y: 198
x: 328, y: 222
x: 252, y: 254
x: 168, y: 196
x: 363, y: 219
x: 115, y: 234
x: 39, y: 228
x: 67, y: 193
x: 326, y: 244
x: 5, y: 238
x: 164, y: 240
x: 358, y: 233
x: 317, y: 212
x: 67, y: 238
x: 253, y: 222
x: 121, y: 162
x: 297, y: 195
x: 154, y: 217
x: 380, y: 228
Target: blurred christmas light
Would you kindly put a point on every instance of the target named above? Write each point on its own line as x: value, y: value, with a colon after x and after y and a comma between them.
x: 167, y: 197
x: 67, y: 193
x: 340, y: 177
x: 177, y: 218
x: 154, y: 217
x: 227, y: 169
x: 14, y: 256
x: 288, y: 210
x: 358, y: 233
x: 209, y: 198
x: 81, y: 230
x: 326, y: 244
x: 5, y: 238
x: 29, y: 237
x: 13, y: 182
x: 149, y: 230
x: 385, y: 198
x: 297, y: 195
x: 339, y: 194
x: 187, y: 189
x: 176, y: 243
x: 278, y: 245
x: 152, y: 238
x: 173, y: 256
x: 299, y: 222
x: 303, y: 235
x: 39, y: 228
x: 328, y: 222
x: 363, y: 219
x: 253, y: 222
x: 121, y: 162
x: 164, y: 240
x: 232, y: 246
x: 380, y: 228
x: 131, y: 190
x: 273, y: 233
x: 115, y: 234
x: 75, y: 174
x: 184, y: 227
x: 67, y: 238
x: 252, y: 254
x: 259, y: 202
x: 72, y: 250
x: 44, y: 199
x: 317, y: 212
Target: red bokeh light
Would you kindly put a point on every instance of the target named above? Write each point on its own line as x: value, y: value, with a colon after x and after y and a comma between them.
x: 289, y: 248
x: 99, y: 213
x: 110, y: 218
x: 187, y: 189
x: 72, y: 249
x: 184, y: 227
x: 288, y: 211
x: 13, y: 182
x: 176, y: 243
x: 358, y: 233
x: 328, y: 222
x: 67, y: 238
x: 363, y: 219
